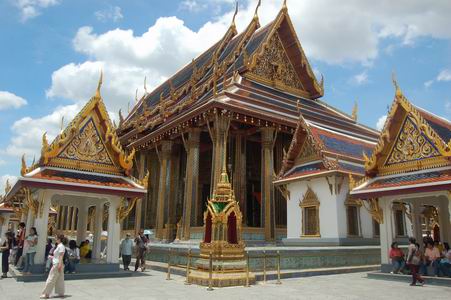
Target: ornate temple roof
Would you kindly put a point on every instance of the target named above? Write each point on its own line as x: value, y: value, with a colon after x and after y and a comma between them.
x: 262, y: 73
x: 85, y: 156
x: 413, y: 153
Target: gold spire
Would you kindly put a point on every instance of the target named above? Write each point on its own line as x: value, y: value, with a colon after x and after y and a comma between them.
x: 398, y: 92
x: 23, y: 169
x: 99, y: 85
x: 284, y: 6
x: 355, y: 111
x: 234, y: 15
x: 256, y: 9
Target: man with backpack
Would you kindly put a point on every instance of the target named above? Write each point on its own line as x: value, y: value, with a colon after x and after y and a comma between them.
x: 141, y: 246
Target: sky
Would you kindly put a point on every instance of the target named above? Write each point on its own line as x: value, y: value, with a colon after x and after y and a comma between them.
x: 52, y: 52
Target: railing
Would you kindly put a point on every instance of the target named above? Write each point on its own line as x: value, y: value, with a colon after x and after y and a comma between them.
x: 190, y: 266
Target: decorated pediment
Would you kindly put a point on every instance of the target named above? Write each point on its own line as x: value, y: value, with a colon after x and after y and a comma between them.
x: 310, y: 198
x: 274, y: 66
x: 87, y: 146
x: 411, y: 144
x: 307, y: 153
x: 89, y: 143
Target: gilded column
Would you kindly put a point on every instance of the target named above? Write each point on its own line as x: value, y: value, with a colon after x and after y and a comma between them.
x: 173, y: 192
x: 191, y: 180
x: 138, y: 205
x: 68, y: 215
x: 267, y: 188
x: 239, y: 173
x: 163, y: 186
x: 219, y: 138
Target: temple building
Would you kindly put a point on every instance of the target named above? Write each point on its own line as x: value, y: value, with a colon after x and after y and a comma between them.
x: 245, y: 94
x: 81, y: 177
x: 408, y: 177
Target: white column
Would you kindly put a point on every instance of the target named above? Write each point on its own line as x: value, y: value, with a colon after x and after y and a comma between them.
x: 82, y: 222
x: 97, y: 231
x: 443, y: 209
x: 41, y: 224
x: 386, y: 230
x: 29, y: 222
x: 416, y: 221
x: 114, y: 231
x: 4, y: 227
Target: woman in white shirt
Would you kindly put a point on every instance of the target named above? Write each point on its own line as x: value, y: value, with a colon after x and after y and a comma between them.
x: 30, y: 245
x: 56, y: 275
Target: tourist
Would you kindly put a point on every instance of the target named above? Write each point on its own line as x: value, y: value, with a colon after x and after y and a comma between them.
x: 73, y: 254
x: 48, y: 263
x: 397, y: 258
x: 432, y: 258
x: 48, y: 247
x: 427, y: 239
x: 5, y: 250
x: 445, y: 262
x: 56, y: 275
x: 20, y: 244
x: 85, y: 250
x: 141, y: 245
x: 126, y: 250
x: 30, y: 246
x: 414, y: 258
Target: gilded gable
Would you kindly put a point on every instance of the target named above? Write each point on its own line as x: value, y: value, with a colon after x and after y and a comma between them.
x: 410, y: 145
x: 307, y: 153
x: 274, y: 67
x: 87, y: 146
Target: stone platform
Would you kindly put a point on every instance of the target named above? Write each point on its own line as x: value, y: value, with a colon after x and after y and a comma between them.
x: 429, y: 280
x: 291, y: 258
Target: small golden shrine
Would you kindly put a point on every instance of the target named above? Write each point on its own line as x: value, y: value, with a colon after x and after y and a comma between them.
x: 222, y: 239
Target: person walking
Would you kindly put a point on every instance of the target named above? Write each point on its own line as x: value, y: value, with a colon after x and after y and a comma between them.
x: 5, y: 249
x: 414, y: 258
x: 141, y: 245
x: 126, y: 250
x: 31, y: 242
x: 20, y: 243
x: 56, y: 275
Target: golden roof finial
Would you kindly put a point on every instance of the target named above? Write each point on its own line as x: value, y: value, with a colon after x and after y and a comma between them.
x: 7, y: 186
x: 62, y: 124
x: 99, y: 85
x: 284, y: 6
x: 23, y: 169
x: 145, y: 85
x: 398, y: 92
x: 256, y: 9
x: 136, y: 95
x: 234, y: 15
x: 355, y: 111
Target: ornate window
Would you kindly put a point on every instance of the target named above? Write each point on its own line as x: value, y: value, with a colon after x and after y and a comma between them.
x: 399, y: 219
x: 310, y: 214
x: 353, y: 217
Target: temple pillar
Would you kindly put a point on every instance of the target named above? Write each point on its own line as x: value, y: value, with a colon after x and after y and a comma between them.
x: 416, y: 221
x: 4, y: 227
x: 114, y: 231
x: 29, y: 221
x: 239, y: 173
x: 75, y: 211
x: 138, y: 205
x: 163, y: 187
x: 267, y: 188
x: 443, y: 216
x: 191, y: 181
x: 218, y: 136
x: 68, y: 215
x: 98, y: 223
x: 82, y: 222
x: 386, y: 230
x: 41, y: 224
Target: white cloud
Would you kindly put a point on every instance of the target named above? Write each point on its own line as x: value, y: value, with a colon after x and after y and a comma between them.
x: 360, y: 78
x: 9, y: 100
x: 32, y: 8
x: 113, y: 13
x: 448, y: 108
x: 192, y: 5
x: 381, y: 122
x: 428, y: 83
x: 27, y: 132
x: 444, y: 75
x: 12, y: 179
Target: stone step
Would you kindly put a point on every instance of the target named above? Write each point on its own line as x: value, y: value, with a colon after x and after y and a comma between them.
x: 441, y: 281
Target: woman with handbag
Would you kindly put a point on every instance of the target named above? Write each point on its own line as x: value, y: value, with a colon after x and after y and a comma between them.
x: 5, y: 249
x: 414, y: 259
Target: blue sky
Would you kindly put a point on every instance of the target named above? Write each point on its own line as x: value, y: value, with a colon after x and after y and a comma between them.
x: 52, y: 51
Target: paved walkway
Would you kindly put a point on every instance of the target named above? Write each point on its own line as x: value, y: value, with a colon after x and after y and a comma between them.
x: 154, y: 286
